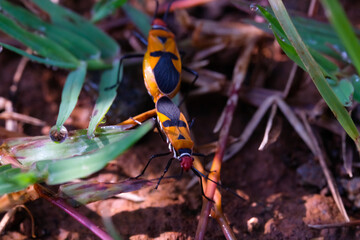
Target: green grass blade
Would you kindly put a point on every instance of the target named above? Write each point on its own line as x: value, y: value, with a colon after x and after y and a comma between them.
x: 4, y: 168
x: 355, y: 80
x: 77, y: 45
x: 104, y: 8
x: 344, y: 90
x: 34, y: 149
x: 42, y: 45
x: 98, y: 64
x: 81, y: 166
x: 45, y: 61
x: 342, y: 26
x: 315, y: 72
x: 106, y: 97
x: 13, y: 180
x: 319, y: 36
x: 70, y: 93
x: 78, y: 156
x: 77, y: 24
x: 29, y: 150
x: 328, y: 68
x: 140, y: 19
x: 290, y: 51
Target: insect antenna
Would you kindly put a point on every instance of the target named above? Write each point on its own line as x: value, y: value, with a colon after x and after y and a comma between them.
x: 167, y: 10
x: 200, y: 174
x: 156, y: 9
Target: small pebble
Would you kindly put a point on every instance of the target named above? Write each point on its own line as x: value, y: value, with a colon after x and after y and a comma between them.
x: 252, y: 224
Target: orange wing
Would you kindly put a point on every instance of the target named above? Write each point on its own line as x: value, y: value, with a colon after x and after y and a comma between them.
x: 173, y: 124
x: 162, y: 64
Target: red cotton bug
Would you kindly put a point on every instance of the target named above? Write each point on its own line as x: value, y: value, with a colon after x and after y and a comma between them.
x: 162, y: 61
x: 176, y: 130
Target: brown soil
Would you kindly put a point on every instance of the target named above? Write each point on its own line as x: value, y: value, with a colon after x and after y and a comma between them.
x: 284, y: 183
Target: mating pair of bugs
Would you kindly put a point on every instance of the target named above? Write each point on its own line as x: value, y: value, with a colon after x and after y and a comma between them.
x: 161, y: 71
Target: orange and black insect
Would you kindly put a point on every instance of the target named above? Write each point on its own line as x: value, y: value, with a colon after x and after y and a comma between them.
x: 162, y: 61
x: 176, y: 130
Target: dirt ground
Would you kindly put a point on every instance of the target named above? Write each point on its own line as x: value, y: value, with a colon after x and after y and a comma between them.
x: 284, y: 185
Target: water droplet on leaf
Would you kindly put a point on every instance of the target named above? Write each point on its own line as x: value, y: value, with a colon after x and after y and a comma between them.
x: 58, y: 136
x: 253, y: 7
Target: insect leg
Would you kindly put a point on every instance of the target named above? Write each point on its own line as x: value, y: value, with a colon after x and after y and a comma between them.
x: 136, y: 121
x: 151, y: 158
x: 203, y: 156
x: 201, y: 184
x: 196, y: 75
x: 126, y: 56
x: 165, y: 171
x: 140, y: 37
x: 176, y: 176
x: 139, y: 118
x: 200, y: 174
x: 160, y: 132
x: 191, y: 123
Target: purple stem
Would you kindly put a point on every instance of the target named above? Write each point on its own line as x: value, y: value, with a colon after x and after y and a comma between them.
x: 59, y: 202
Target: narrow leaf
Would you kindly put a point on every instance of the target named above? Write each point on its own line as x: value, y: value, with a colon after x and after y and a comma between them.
x: 81, y: 166
x: 54, y: 163
x: 70, y: 94
x: 4, y: 168
x: 344, y: 91
x: 141, y: 20
x: 355, y: 80
x: 77, y: 24
x: 106, y: 95
x: 45, y: 61
x: 104, y: 8
x: 315, y: 72
x: 30, y: 150
x: 77, y: 45
x: 41, y: 44
x: 13, y: 180
x: 342, y: 26
x: 327, y: 67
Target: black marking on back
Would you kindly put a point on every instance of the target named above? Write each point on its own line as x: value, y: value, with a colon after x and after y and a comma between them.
x: 181, y: 137
x: 165, y: 106
x: 174, y: 123
x: 166, y: 75
x: 162, y: 39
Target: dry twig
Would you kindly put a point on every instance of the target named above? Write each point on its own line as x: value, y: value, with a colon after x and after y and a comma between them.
x: 238, y: 78
x: 329, y: 178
